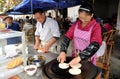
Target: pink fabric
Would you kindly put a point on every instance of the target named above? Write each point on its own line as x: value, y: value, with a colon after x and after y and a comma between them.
x: 96, y: 31
x: 82, y: 40
x: 107, y: 26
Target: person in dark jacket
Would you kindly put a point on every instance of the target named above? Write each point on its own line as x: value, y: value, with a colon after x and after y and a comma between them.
x: 13, y: 26
x: 86, y: 36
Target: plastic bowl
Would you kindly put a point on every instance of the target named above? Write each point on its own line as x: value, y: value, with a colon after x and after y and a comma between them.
x: 30, y: 69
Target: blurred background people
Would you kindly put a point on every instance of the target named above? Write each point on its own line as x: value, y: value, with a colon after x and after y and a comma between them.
x: 27, y: 26
x: 107, y: 25
x: 49, y: 15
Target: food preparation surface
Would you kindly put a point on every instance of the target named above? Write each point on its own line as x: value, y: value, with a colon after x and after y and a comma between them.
x: 52, y: 71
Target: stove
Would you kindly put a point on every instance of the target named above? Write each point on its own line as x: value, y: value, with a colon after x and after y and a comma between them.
x: 51, y: 70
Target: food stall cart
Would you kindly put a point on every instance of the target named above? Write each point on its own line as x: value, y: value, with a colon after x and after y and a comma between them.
x: 6, y: 73
x: 51, y: 70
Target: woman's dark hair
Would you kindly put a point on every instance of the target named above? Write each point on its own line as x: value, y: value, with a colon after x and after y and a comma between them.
x: 38, y: 10
x: 87, y: 8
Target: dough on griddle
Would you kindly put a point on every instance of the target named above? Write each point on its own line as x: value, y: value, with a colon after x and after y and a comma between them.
x: 78, y: 65
x: 63, y: 65
x: 75, y: 71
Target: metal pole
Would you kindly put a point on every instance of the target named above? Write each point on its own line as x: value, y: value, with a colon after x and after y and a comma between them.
x: 32, y: 19
x: 57, y: 7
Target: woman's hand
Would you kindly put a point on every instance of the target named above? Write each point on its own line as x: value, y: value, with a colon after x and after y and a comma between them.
x: 75, y: 61
x: 62, y: 57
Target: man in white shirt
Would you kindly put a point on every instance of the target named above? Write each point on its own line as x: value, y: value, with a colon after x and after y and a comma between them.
x: 47, y: 32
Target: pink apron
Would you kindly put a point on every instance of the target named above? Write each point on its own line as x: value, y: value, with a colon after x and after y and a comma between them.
x: 82, y: 40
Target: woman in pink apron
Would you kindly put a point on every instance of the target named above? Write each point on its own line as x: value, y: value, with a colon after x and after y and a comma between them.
x: 86, y: 35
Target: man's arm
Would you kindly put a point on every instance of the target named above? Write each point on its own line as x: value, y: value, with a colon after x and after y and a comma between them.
x: 50, y: 43
x: 37, y: 42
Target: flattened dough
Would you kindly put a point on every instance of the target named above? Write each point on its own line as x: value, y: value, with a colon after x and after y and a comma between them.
x: 63, y: 65
x: 39, y: 50
x: 75, y: 71
x: 76, y: 65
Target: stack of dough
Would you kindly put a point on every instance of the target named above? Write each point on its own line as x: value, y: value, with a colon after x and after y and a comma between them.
x: 15, y: 62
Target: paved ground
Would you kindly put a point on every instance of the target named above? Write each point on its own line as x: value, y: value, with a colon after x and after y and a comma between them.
x: 115, y: 60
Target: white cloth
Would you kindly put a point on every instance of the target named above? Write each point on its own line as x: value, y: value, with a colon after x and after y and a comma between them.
x: 50, y: 29
x: 101, y: 50
x: 10, y: 50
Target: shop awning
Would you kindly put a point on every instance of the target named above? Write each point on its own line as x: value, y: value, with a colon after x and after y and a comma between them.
x: 27, y: 6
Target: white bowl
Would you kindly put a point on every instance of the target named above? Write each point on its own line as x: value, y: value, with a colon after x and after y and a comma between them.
x: 30, y: 69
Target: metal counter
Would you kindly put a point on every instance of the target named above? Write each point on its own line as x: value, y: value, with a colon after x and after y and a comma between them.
x: 49, y: 56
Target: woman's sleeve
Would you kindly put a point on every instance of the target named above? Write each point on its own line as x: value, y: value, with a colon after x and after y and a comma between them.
x: 64, y: 44
x: 96, y: 35
x: 66, y: 39
x: 70, y: 32
x: 89, y: 51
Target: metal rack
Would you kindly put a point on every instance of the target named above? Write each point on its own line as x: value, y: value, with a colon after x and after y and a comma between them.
x: 10, y: 34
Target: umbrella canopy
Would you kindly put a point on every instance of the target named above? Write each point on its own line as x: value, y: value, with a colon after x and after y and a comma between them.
x: 14, y: 13
x: 26, y: 6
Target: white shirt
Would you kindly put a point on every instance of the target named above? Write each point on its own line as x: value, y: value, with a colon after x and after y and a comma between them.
x: 50, y: 29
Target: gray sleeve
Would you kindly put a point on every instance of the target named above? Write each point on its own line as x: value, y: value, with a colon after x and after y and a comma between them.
x: 55, y: 29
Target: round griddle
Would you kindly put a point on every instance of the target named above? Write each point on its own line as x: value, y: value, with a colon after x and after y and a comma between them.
x: 52, y: 71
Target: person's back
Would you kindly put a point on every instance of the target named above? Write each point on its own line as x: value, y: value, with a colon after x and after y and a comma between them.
x: 49, y: 15
x: 100, y: 21
x: 107, y: 26
x: 27, y: 26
